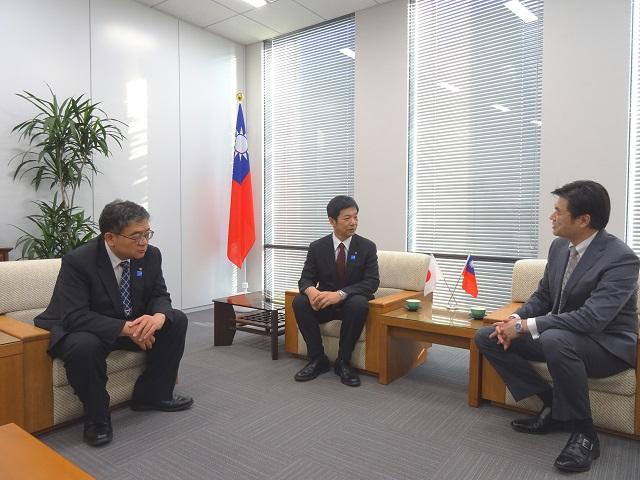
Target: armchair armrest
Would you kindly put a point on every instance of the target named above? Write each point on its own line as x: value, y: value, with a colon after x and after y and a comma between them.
x: 38, y: 372
x: 395, y: 300
x: 501, y: 313
x: 21, y: 330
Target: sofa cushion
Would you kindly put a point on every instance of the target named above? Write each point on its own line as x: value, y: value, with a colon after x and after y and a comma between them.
x: 384, y: 291
x: 526, y: 277
x: 27, y: 284
x: 623, y: 383
x: 117, y: 361
x: 615, y: 412
x: 26, y: 316
x: 332, y: 329
x: 332, y: 345
x: 403, y: 270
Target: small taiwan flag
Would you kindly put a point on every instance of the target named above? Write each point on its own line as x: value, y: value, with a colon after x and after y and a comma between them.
x: 469, y: 283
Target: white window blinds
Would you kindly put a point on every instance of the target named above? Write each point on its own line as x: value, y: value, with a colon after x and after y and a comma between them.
x: 633, y: 208
x: 309, y: 129
x: 474, y: 140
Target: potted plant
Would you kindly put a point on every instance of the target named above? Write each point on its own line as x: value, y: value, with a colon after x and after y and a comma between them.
x: 63, y: 140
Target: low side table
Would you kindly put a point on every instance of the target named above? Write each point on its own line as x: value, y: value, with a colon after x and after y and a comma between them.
x: 267, y: 318
x: 24, y: 456
x: 454, y: 329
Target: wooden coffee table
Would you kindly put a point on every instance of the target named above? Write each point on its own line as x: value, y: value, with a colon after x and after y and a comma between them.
x: 454, y: 329
x: 24, y: 456
x: 265, y: 317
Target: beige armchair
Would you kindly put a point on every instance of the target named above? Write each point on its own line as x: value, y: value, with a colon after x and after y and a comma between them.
x: 402, y: 276
x: 615, y: 400
x: 25, y: 291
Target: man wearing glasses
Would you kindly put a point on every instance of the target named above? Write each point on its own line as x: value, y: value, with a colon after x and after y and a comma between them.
x: 110, y: 295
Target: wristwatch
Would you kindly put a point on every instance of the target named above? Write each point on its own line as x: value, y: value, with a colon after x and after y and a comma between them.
x: 519, y: 327
x: 342, y: 294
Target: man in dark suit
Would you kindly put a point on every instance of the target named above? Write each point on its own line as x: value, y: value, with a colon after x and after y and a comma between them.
x: 339, y: 278
x: 111, y: 295
x: 581, y: 320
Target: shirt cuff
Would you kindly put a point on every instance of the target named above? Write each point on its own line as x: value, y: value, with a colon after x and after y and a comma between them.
x: 533, y: 328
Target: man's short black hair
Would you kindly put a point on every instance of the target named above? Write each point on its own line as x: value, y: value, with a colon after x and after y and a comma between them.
x: 587, y: 197
x: 118, y: 214
x: 339, y: 203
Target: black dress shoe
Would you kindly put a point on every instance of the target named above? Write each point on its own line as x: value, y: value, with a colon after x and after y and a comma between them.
x: 177, y: 403
x: 542, y: 423
x: 97, y: 433
x: 347, y: 375
x: 578, y: 453
x: 312, y: 369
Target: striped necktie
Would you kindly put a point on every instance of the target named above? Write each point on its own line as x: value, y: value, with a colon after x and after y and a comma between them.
x: 125, y: 288
x: 571, y: 265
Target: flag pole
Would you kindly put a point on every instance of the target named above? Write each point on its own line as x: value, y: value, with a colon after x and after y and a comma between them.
x: 453, y: 306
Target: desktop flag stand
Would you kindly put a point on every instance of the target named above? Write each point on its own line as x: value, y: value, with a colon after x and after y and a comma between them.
x: 469, y: 283
x: 242, y: 230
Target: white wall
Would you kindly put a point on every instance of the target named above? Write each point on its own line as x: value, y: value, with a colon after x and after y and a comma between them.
x: 381, y: 124
x: 174, y: 84
x: 52, y: 47
x: 255, y: 129
x: 585, y: 102
x: 211, y: 73
x: 135, y: 72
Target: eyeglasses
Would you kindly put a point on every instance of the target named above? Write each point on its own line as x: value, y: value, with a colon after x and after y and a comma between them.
x: 138, y: 237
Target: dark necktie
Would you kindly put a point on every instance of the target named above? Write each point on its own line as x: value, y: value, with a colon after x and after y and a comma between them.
x: 341, y: 260
x: 125, y: 288
x: 571, y: 265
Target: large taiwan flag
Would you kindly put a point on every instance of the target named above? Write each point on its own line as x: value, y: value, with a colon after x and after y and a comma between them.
x: 242, y: 230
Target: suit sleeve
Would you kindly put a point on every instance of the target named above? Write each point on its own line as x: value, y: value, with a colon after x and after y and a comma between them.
x: 371, y: 277
x: 74, y: 295
x: 159, y: 301
x: 309, y: 276
x: 614, y: 289
x: 541, y: 301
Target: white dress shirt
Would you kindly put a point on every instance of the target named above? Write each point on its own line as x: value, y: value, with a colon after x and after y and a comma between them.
x: 115, y: 263
x: 336, y: 244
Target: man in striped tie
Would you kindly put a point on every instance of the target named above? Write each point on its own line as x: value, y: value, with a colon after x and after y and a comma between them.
x: 111, y: 295
x: 339, y: 278
x: 581, y: 321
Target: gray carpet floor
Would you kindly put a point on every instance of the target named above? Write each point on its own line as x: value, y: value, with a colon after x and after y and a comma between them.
x: 252, y: 421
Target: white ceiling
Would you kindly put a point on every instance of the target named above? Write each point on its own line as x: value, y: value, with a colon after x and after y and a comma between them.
x: 244, y: 24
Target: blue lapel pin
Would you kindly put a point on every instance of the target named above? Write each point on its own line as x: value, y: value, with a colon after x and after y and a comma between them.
x: 139, y: 272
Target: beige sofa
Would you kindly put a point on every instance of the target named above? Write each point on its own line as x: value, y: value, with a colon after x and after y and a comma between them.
x: 615, y: 400
x: 25, y: 290
x: 402, y: 276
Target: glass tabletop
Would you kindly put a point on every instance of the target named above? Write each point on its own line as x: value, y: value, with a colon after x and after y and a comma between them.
x: 437, y: 315
x: 258, y: 300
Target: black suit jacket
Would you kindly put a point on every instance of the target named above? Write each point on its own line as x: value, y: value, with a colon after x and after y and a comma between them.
x: 362, y: 276
x: 86, y: 297
x: 600, y: 298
